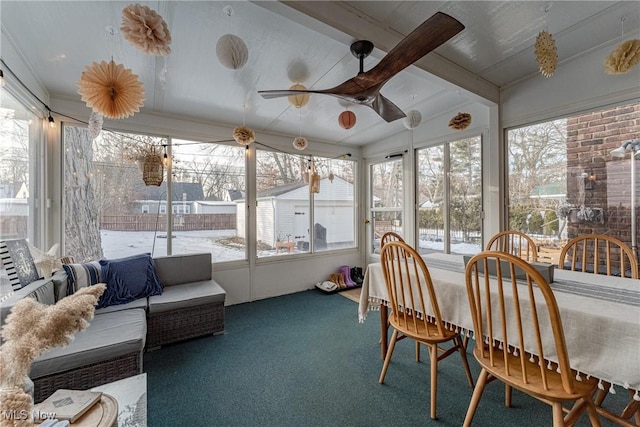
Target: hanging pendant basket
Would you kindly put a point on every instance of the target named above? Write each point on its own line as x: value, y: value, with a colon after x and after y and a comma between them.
x: 152, y: 169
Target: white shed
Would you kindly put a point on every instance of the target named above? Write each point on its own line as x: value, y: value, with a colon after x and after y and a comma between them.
x: 283, y: 213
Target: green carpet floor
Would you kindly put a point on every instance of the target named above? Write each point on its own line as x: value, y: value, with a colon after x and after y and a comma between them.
x: 304, y: 360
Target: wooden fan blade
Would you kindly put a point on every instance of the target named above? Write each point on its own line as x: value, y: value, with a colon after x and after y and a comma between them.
x: 429, y: 35
x: 387, y: 109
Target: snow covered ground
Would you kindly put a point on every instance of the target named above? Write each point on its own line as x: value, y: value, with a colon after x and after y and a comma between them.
x: 119, y: 244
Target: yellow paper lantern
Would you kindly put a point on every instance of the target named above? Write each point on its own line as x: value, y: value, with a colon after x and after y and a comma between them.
x: 300, y: 99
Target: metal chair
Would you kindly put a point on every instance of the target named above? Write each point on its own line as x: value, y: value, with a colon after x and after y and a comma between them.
x: 415, y: 312
x: 509, y: 317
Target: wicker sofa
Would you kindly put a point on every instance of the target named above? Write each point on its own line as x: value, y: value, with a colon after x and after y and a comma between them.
x: 111, y: 348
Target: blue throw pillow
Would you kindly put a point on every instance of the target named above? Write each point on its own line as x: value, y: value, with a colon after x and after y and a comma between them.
x: 128, y: 279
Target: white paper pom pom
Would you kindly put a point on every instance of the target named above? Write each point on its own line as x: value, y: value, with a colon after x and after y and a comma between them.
x: 300, y: 143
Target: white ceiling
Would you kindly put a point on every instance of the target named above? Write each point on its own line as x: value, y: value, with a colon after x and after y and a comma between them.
x: 307, y: 42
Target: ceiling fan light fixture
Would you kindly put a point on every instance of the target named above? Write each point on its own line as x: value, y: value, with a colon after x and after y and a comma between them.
x: 232, y: 52
x: 623, y: 58
x: 298, y: 100
x: 347, y: 119
x: 412, y: 120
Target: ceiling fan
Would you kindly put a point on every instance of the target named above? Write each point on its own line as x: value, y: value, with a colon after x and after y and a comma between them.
x: 364, y: 89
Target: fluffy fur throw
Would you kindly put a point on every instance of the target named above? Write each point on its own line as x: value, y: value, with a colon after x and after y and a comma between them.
x: 623, y: 58
x: 29, y: 330
x: 145, y: 30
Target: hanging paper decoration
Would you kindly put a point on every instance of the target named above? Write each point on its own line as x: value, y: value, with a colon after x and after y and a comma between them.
x: 300, y: 143
x: 152, y: 168
x: 111, y: 90
x: 623, y: 58
x: 232, y: 52
x: 460, y: 121
x: 314, y: 180
x: 298, y: 100
x: 95, y: 124
x: 347, y: 119
x: 145, y: 30
x: 243, y: 135
x: 412, y: 120
x: 546, y: 54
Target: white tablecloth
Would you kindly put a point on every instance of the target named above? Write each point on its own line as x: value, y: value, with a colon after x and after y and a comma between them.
x: 601, y: 320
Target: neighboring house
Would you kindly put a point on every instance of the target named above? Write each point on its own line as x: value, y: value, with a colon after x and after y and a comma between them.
x: 213, y: 207
x: 553, y: 190
x: 185, y: 194
x: 283, y: 213
x: 14, y: 199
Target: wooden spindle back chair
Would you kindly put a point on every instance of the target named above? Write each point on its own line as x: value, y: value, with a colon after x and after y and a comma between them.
x: 599, y: 254
x: 515, y: 243
x: 509, y: 317
x: 415, y: 312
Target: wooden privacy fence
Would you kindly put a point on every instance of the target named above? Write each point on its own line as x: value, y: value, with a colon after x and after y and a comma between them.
x: 152, y: 222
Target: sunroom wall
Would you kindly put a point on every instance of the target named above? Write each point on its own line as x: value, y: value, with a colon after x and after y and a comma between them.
x: 579, y: 84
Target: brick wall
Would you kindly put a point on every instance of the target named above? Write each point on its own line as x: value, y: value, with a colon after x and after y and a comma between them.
x: 591, y: 137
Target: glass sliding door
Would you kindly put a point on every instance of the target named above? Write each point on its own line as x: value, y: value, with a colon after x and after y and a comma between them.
x: 449, y: 197
x: 387, y: 200
x: 465, y: 196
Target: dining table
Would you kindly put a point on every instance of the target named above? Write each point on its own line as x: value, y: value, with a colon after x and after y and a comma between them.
x: 600, y: 316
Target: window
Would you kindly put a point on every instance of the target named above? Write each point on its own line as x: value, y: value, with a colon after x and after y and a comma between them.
x: 564, y: 182
x: 208, y: 197
x: 449, y: 197
x: 286, y: 223
x: 103, y: 195
x: 20, y: 137
x: 334, y: 205
x: 387, y: 199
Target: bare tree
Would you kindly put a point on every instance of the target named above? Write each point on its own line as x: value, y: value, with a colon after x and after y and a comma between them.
x: 81, y: 215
